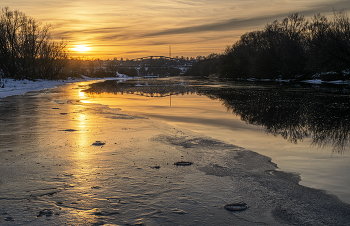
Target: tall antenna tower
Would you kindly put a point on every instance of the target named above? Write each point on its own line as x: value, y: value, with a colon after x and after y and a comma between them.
x: 169, y: 51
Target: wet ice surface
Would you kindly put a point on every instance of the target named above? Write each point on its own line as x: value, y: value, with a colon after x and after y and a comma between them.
x: 93, y: 165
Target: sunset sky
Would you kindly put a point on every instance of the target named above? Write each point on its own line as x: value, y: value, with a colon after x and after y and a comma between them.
x: 137, y: 28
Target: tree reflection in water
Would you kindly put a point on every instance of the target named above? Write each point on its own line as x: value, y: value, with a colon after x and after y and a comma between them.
x: 294, y: 111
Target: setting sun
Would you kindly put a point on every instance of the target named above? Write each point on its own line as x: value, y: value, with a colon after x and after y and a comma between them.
x: 81, y: 48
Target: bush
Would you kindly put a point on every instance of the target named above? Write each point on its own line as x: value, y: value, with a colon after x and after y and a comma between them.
x: 131, y: 72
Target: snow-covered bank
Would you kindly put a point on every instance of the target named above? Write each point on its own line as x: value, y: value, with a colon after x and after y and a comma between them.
x: 17, y: 87
x: 311, y: 81
x: 319, y: 81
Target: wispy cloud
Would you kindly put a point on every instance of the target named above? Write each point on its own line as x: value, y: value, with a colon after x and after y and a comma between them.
x: 235, y: 23
x: 217, y: 26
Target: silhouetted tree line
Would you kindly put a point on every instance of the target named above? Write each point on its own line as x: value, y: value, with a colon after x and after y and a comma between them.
x: 26, y: 48
x: 294, y: 48
x: 205, y: 66
x: 131, y: 72
x: 94, y: 68
x: 155, y: 66
x: 161, y: 72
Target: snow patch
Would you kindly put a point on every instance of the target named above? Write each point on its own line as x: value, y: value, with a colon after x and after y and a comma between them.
x: 18, y: 87
x: 13, y: 87
x: 313, y: 81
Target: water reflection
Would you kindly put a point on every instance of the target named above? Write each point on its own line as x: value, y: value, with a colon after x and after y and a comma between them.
x: 144, y: 87
x: 294, y: 111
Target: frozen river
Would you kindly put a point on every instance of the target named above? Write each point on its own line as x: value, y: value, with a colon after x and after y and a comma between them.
x: 66, y: 158
x: 304, y: 129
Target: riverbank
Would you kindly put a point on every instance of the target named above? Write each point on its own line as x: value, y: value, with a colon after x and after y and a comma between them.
x: 10, y: 87
x: 52, y: 173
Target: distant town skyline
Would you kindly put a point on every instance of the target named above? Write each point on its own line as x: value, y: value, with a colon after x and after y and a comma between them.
x: 131, y: 29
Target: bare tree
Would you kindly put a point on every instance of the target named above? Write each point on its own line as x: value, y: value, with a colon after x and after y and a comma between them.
x: 26, y: 48
x: 330, y: 43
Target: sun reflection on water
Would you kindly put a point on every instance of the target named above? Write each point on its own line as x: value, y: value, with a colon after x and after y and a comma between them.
x: 82, y: 134
x: 82, y: 138
x: 81, y: 93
